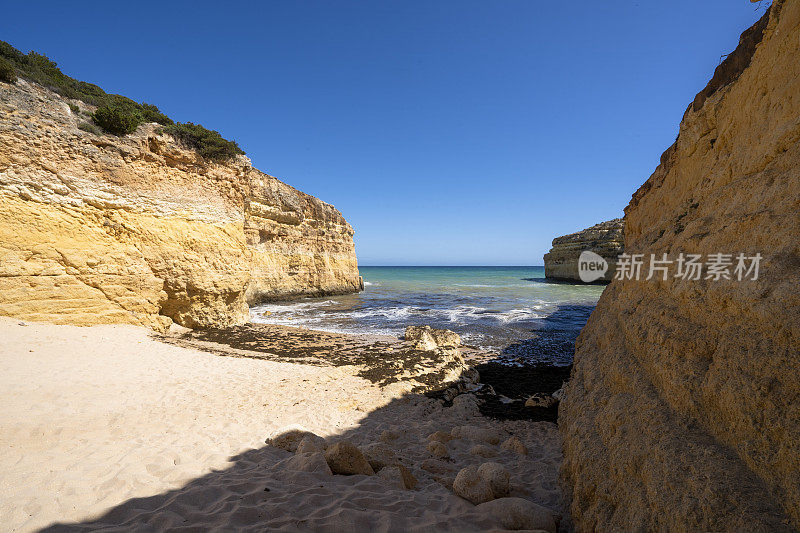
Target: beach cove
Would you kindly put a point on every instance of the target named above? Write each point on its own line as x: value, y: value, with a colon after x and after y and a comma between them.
x: 138, y: 432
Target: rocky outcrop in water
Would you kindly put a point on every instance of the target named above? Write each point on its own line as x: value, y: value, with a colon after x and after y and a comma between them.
x: 604, y: 239
x: 137, y: 229
x: 683, y: 409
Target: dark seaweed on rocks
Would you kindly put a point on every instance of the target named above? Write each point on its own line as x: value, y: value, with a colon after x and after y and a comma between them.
x: 383, y: 362
x: 517, y: 384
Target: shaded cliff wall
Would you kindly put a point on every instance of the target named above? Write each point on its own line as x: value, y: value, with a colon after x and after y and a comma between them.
x: 683, y: 410
x: 604, y: 239
x: 137, y: 229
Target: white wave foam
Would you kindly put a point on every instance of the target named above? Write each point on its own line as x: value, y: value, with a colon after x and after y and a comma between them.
x: 464, y: 313
x: 391, y: 313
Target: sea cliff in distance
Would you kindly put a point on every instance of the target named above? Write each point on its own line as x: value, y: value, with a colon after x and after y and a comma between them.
x: 144, y: 228
x: 604, y: 239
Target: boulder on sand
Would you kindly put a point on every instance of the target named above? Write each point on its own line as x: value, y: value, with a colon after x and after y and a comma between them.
x: 379, y: 455
x: 312, y: 443
x: 307, y: 462
x: 398, y: 475
x: 344, y: 458
x: 513, y: 444
x: 483, y: 483
x: 437, y: 449
x: 498, y: 478
x: 519, y: 513
x: 472, y: 486
x: 289, y: 438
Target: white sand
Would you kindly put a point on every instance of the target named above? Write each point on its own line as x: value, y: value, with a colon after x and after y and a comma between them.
x: 106, y: 426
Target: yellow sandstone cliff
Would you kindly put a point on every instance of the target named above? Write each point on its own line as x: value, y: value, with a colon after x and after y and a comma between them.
x: 137, y: 229
x: 683, y: 411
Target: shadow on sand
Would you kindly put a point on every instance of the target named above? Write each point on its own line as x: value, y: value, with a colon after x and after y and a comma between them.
x: 264, y: 490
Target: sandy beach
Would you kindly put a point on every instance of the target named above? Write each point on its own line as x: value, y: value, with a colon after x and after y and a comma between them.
x: 108, y: 426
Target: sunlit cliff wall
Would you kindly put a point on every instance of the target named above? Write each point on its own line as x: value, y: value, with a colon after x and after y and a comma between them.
x: 137, y: 229
x: 683, y: 411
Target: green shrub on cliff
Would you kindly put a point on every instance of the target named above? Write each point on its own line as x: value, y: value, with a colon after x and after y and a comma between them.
x: 7, y: 73
x: 115, y: 113
x: 91, y: 128
x: 209, y: 143
x: 151, y: 113
x: 117, y: 120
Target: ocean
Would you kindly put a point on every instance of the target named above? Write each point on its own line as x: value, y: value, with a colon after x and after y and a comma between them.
x: 514, y: 312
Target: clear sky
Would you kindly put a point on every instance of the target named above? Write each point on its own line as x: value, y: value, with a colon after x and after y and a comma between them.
x: 447, y: 132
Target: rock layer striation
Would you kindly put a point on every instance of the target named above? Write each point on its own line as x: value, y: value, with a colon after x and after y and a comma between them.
x: 138, y: 229
x: 683, y: 410
x: 604, y: 239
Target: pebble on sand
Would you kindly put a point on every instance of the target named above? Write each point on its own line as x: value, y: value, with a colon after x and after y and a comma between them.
x: 437, y: 449
x: 513, y: 444
x: 481, y: 450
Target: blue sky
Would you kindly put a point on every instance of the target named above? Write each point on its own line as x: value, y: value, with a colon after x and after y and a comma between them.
x: 447, y: 132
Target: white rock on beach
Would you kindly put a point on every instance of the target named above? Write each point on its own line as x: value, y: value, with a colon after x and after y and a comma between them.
x: 427, y: 338
x: 519, y: 513
x: 344, y: 458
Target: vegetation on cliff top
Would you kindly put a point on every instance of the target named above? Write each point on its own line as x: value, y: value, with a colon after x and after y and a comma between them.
x: 115, y: 114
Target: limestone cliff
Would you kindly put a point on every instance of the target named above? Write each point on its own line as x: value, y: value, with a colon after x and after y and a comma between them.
x: 683, y: 410
x: 604, y: 239
x: 137, y: 229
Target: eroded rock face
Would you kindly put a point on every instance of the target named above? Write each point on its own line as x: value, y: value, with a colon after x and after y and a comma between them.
x: 136, y: 229
x: 604, y: 239
x: 682, y: 411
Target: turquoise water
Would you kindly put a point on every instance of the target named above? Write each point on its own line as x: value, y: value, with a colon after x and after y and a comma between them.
x: 513, y: 311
